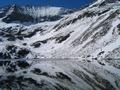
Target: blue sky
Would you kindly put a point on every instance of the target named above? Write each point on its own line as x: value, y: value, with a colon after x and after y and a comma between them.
x: 60, y: 3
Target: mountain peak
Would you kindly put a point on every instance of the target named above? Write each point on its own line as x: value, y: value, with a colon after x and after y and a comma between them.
x: 34, y: 13
x: 108, y: 1
x: 104, y: 2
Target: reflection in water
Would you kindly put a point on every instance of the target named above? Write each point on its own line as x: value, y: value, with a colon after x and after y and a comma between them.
x: 69, y: 74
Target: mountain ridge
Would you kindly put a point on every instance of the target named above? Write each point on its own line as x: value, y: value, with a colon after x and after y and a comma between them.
x: 91, y: 35
x: 33, y: 14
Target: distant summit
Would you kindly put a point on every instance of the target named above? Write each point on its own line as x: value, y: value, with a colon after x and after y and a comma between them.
x: 15, y: 13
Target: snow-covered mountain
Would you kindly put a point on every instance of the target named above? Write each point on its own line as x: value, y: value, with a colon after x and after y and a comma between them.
x: 82, y: 50
x: 36, y: 14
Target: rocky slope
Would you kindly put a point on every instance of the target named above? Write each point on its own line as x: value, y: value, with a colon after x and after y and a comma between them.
x: 82, y: 51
